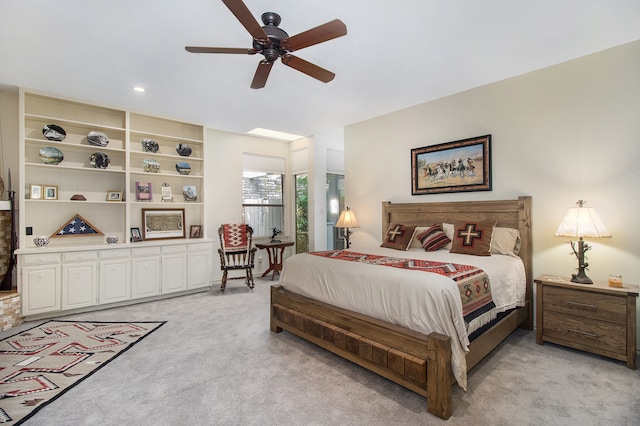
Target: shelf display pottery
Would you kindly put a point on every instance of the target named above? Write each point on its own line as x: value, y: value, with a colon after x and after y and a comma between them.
x: 53, y: 132
x: 149, y: 145
x: 51, y: 155
x: 112, y: 240
x: 183, y: 167
x: 150, y: 165
x: 99, y: 160
x: 98, y: 139
x: 41, y: 241
x: 183, y: 149
x: 78, y: 197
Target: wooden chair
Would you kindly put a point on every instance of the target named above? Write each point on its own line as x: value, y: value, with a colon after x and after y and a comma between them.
x: 236, y: 252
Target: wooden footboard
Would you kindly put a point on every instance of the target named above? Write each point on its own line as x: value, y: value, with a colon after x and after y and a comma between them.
x: 419, y: 362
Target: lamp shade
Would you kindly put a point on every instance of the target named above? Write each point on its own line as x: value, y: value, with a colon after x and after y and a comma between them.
x: 347, y: 219
x: 582, y: 222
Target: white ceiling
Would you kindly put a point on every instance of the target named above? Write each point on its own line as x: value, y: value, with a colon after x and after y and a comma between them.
x: 396, y: 54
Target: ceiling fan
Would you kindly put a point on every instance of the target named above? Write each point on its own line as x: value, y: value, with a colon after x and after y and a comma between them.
x: 273, y: 42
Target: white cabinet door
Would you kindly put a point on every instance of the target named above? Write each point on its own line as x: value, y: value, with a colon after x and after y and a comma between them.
x: 79, y: 282
x: 199, y: 269
x: 115, y: 280
x: 40, y: 290
x: 174, y: 272
x: 145, y: 277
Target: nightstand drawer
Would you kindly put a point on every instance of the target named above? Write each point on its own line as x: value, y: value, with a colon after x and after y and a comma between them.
x: 586, y: 334
x: 597, y: 306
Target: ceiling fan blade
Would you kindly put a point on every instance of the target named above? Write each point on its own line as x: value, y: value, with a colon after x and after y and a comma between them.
x: 308, y: 68
x: 232, y: 50
x: 324, y: 32
x: 242, y: 12
x: 261, y: 75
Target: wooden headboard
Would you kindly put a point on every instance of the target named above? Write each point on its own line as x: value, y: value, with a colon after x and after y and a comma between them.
x: 506, y: 213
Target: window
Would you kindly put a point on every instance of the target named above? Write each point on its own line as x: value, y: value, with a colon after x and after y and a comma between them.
x: 302, y: 213
x: 262, y: 202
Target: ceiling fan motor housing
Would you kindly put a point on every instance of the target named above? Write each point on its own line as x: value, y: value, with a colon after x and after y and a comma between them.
x: 272, y: 52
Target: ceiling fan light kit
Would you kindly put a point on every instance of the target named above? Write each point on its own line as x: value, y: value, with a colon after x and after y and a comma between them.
x: 273, y: 42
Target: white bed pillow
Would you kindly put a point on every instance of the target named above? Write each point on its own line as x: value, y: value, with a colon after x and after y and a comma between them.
x: 447, y: 228
x: 506, y: 241
x: 415, y: 242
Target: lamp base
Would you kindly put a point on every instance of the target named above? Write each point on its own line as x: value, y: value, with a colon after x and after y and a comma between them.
x: 581, y: 279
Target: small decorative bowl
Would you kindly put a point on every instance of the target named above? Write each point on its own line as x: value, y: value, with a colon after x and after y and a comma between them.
x: 112, y: 240
x: 41, y: 241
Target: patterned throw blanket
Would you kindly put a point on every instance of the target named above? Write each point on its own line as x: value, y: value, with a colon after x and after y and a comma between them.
x: 478, y: 308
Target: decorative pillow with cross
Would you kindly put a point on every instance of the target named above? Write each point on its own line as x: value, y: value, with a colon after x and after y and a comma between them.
x: 398, y: 236
x: 472, y: 238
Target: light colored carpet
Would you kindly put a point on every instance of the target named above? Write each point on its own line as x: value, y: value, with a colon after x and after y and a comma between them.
x: 215, y: 362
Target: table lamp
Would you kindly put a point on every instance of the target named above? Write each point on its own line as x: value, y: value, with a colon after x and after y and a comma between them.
x: 581, y: 222
x: 347, y: 220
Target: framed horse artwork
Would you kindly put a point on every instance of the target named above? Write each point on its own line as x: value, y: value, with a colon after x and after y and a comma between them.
x: 458, y: 166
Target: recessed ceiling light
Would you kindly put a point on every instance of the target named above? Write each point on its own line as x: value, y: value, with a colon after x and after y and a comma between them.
x: 139, y: 89
x: 273, y: 134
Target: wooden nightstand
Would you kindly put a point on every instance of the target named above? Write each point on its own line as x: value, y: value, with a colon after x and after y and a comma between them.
x: 591, y: 317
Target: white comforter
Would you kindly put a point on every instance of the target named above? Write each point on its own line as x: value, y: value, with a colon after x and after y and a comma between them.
x: 421, y: 301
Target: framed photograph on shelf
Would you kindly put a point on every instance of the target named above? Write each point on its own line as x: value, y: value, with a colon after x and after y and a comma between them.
x: 458, y: 166
x: 50, y: 192
x: 162, y: 224
x: 136, y: 236
x: 114, y: 195
x: 35, y: 192
x: 190, y: 193
x: 167, y: 195
x: 143, y: 191
x: 195, y: 231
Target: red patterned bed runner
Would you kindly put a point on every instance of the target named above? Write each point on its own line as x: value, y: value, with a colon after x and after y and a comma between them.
x: 478, y: 308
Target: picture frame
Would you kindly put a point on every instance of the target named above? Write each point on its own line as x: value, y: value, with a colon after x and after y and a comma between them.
x: 195, y: 231
x: 136, y: 236
x: 143, y: 191
x: 35, y: 192
x: 163, y: 224
x: 114, y: 195
x: 458, y: 166
x: 190, y: 193
x: 50, y: 192
x: 167, y: 195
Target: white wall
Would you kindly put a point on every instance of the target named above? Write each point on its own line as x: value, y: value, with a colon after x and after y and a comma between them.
x: 563, y: 133
x: 224, y: 183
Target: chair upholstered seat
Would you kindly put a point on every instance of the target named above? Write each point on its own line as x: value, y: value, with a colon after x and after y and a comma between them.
x: 236, y: 252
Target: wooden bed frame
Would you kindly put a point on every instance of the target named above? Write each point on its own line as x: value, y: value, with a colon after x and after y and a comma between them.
x: 419, y: 362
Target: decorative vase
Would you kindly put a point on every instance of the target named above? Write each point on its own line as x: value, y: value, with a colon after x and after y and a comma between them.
x: 99, y: 160
x: 98, y: 139
x: 53, y: 132
x: 183, y: 167
x: 149, y: 145
x: 183, y: 149
x: 41, y: 241
x: 51, y: 155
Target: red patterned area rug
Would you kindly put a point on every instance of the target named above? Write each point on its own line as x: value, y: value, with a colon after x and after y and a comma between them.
x: 40, y: 364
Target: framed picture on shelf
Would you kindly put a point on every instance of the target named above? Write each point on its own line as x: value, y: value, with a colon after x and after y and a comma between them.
x: 195, y: 231
x: 136, y: 236
x: 143, y: 191
x: 190, y: 193
x: 35, y: 192
x: 458, y: 166
x: 162, y: 224
x: 167, y: 195
x: 50, y: 192
x: 114, y: 195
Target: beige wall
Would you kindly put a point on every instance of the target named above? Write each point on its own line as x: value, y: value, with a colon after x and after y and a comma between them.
x: 563, y: 133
